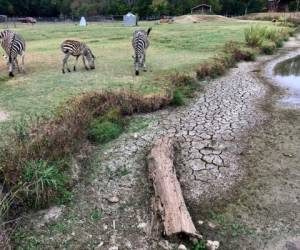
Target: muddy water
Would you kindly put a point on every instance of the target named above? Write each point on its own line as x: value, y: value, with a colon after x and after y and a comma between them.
x: 287, y: 74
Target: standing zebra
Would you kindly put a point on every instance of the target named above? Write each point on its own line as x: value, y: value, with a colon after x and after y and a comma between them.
x: 77, y: 49
x: 140, y: 43
x: 13, y: 45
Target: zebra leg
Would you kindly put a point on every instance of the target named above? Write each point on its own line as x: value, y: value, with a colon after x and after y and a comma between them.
x: 144, y: 64
x: 10, y: 69
x: 65, y: 62
x: 17, y: 65
x: 84, y: 63
x: 23, y: 62
x: 77, y: 57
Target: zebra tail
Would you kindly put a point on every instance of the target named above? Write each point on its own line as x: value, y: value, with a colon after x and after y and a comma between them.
x: 148, y: 31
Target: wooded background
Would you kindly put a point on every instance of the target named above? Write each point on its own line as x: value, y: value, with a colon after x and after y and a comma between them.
x: 77, y: 8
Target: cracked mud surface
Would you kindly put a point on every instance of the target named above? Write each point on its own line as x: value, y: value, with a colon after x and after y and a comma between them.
x: 209, y: 131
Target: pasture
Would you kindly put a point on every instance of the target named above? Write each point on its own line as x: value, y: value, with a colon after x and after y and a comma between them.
x: 174, y: 48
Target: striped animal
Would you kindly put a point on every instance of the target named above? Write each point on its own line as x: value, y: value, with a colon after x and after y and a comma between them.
x: 13, y: 45
x: 77, y: 49
x: 140, y: 43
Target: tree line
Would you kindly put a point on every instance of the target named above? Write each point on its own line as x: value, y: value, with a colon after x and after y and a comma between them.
x: 77, y: 8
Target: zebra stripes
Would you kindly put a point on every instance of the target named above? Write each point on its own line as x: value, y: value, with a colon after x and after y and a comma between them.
x: 140, y: 43
x: 77, y: 49
x: 13, y: 45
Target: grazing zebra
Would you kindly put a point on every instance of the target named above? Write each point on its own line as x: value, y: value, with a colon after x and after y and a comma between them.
x: 140, y: 43
x: 13, y: 45
x: 77, y: 49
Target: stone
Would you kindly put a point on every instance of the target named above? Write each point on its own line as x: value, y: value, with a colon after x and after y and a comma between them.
x: 212, y: 245
x: 290, y: 245
x: 200, y: 222
x: 113, y: 199
x: 99, y: 246
x: 211, y: 225
x: 182, y: 247
x: 50, y: 215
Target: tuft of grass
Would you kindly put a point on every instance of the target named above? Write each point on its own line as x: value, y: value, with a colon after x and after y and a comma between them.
x: 43, y: 182
x: 178, y: 98
x: 239, y: 52
x: 200, y: 245
x: 210, y: 69
x: 96, y: 215
x: 268, y: 47
x: 254, y: 36
x: 103, y: 131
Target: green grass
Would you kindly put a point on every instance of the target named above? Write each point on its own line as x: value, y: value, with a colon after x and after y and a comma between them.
x: 173, y: 47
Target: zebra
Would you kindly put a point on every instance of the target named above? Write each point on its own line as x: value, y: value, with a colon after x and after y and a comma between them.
x: 140, y: 43
x: 77, y: 49
x: 13, y: 45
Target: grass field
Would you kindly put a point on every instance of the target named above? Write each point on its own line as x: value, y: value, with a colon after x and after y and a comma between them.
x: 176, y: 47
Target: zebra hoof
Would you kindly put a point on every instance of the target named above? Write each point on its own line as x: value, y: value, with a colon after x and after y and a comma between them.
x: 63, y: 71
x: 87, y: 68
x: 74, y: 68
x: 137, y: 72
x: 69, y: 70
x: 11, y: 74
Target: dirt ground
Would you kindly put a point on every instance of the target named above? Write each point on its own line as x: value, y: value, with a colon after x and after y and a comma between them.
x: 238, y: 164
x: 199, y: 18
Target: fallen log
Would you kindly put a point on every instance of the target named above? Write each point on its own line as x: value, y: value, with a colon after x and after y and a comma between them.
x: 168, y: 203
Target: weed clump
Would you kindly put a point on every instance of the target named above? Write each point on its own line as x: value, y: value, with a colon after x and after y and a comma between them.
x: 267, y: 39
x: 43, y: 182
x: 268, y: 47
x: 178, y: 98
x: 103, y: 131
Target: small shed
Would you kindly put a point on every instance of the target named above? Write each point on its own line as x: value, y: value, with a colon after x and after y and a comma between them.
x: 201, y: 9
x: 130, y: 20
x: 82, y: 21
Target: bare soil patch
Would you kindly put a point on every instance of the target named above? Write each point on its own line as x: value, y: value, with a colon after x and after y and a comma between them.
x: 199, y: 18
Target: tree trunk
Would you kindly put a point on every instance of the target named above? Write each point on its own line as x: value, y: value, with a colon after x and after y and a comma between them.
x: 168, y: 204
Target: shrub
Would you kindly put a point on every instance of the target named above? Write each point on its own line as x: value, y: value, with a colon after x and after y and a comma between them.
x: 178, y: 98
x: 254, y: 36
x: 268, y: 47
x: 238, y: 52
x: 103, y: 131
x: 43, y: 182
x: 186, y: 84
x: 210, y: 69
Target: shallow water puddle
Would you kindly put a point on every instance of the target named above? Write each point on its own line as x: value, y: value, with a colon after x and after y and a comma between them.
x: 287, y: 73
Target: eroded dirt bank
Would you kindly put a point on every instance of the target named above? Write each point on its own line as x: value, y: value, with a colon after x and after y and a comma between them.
x: 111, y: 204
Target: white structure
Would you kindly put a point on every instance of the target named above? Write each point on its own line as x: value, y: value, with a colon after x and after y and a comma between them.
x: 82, y: 21
x: 130, y: 20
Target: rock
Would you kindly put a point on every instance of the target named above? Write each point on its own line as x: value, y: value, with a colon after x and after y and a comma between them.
x: 200, y: 222
x: 212, y: 225
x: 128, y: 245
x: 113, y: 199
x: 99, y: 246
x: 50, y: 215
x: 182, y: 247
x: 165, y: 245
x: 212, y: 245
x: 292, y: 245
x: 142, y: 225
